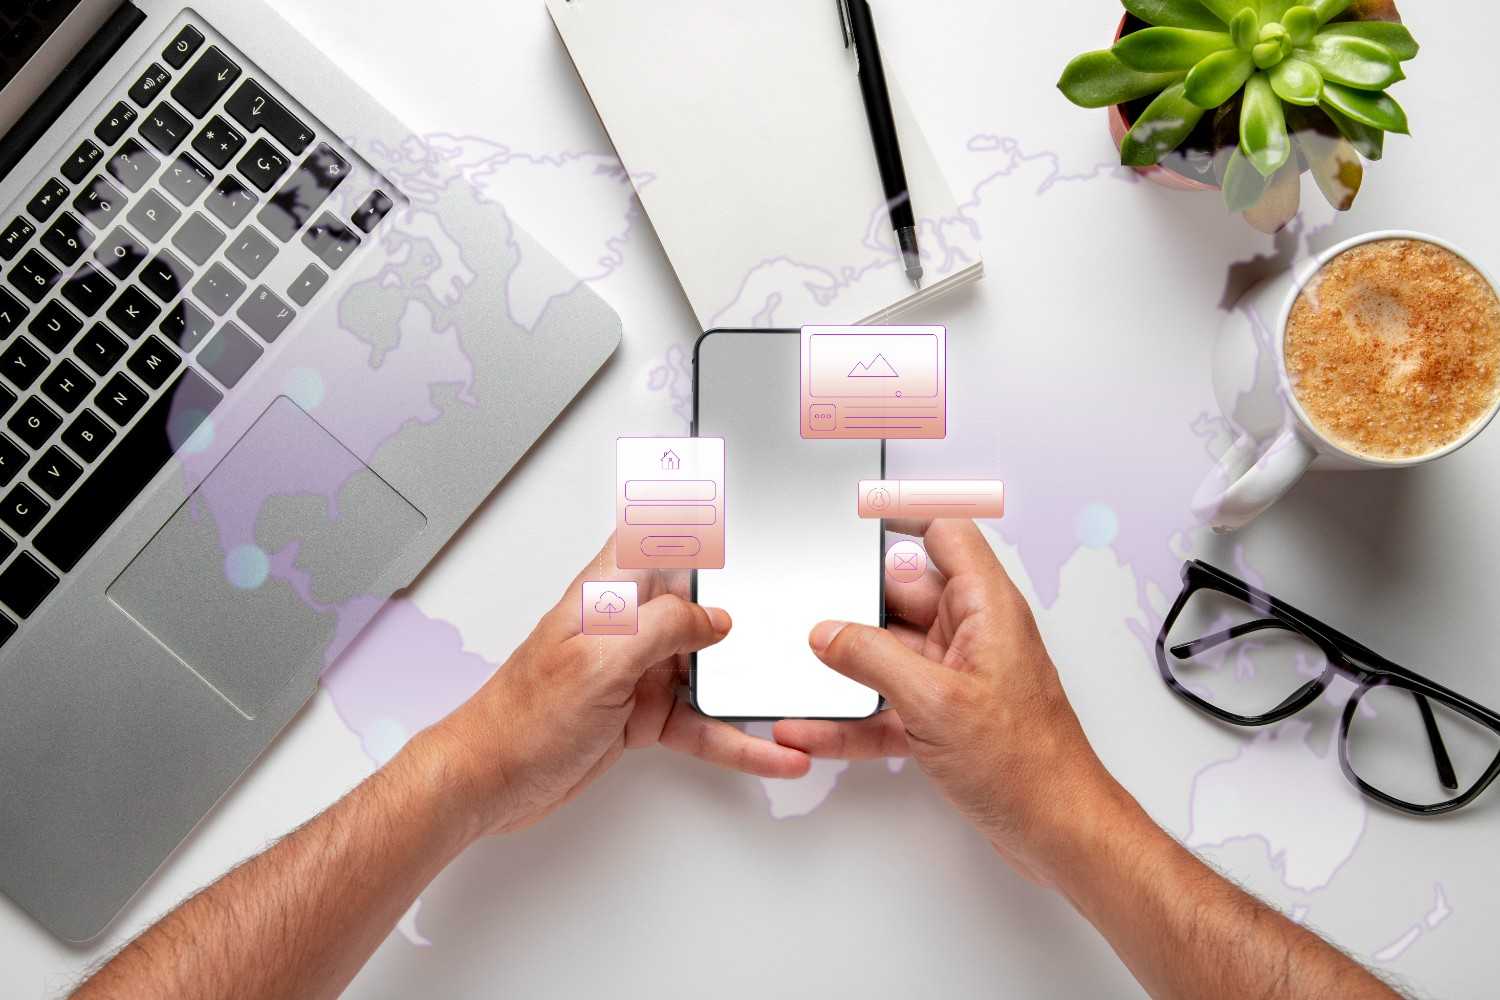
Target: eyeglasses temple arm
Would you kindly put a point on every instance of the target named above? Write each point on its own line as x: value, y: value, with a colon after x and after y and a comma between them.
x: 1440, y: 757
x: 1193, y: 647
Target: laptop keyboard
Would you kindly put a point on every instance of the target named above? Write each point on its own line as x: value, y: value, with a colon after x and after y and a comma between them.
x: 138, y: 288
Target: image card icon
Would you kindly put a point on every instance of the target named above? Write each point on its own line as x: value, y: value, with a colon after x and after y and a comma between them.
x: 669, y: 503
x: 874, y: 382
x: 610, y: 608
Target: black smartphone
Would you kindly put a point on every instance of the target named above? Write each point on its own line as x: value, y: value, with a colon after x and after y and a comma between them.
x: 796, y: 550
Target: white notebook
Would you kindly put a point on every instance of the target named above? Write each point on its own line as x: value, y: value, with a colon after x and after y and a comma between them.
x: 743, y: 130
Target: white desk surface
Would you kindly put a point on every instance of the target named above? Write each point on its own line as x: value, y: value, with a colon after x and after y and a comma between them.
x: 1080, y: 376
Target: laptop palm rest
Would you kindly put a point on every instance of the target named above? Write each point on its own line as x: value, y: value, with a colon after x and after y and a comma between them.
x: 243, y: 583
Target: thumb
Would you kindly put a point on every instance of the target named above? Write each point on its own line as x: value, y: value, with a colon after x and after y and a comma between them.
x: 876, y: 659
x: 669, y: 625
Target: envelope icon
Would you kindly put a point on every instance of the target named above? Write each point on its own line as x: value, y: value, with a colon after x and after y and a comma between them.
x: 907, y: 561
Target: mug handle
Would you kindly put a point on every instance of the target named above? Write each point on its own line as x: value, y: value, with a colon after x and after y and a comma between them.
x: 1243, y: 485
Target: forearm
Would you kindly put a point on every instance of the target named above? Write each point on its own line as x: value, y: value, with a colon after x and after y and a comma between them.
x: 1182, y: 929
x: 301, y: 918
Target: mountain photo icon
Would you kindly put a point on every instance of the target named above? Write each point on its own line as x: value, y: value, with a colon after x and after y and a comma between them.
x: 609, y: 608
x: 876, y: 367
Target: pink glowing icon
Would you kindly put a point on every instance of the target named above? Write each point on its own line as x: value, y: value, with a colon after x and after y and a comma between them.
x: 905, y: 562
x: 609, y: 608
x: 874, y: 382
x: 669, y: 503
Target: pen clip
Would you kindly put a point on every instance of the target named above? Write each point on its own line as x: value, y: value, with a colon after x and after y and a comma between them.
x: 845, y: 25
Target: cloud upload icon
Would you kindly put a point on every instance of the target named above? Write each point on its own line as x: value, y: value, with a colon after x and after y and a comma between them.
x: 609, y: 603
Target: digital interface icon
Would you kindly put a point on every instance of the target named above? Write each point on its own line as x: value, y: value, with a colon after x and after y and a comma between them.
x: 610, y: 608
x: 931, y: 498
x: 905, y: 562
x: 669, y: 503
x: 865, y: 382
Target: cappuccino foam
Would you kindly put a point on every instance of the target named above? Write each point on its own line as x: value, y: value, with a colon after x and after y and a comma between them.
x: 1393, y: 349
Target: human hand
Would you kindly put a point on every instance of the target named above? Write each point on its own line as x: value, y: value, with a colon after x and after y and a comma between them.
x: 565, y: 706
x: 974, y: 698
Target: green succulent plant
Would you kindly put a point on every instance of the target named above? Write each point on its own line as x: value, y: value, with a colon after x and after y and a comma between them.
x: 1291, y: 84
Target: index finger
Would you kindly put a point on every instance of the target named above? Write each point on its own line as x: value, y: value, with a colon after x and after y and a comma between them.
x: 954, y: 545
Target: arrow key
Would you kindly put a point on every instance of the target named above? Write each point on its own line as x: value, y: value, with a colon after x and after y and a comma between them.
x: 203, y: 85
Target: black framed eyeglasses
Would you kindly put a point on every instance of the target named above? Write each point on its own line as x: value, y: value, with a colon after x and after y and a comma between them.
x: 1250, y: 659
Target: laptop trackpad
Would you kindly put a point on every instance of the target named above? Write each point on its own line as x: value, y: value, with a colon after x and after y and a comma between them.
x: 244, y: 582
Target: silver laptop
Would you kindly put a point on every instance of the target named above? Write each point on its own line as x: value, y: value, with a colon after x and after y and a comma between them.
x: 260, y: 357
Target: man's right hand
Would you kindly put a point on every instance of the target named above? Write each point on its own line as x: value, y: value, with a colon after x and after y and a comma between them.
x: 974, y: 698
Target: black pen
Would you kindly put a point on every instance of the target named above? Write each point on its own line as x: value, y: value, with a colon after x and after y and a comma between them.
x: 859, y: 34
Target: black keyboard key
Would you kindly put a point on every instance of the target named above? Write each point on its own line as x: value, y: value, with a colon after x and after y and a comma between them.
x: 100, y: 349
x: 251, y: 252
x: 263, y: 165
x: 374, y: 208
x: 133, y: 312
x: 198, y: 238
x: 22, y: 363
x: 153, y: 216
x: 255, y: 109
x: 304, y: 192
x: 182, y: 47
x: 165, y: 128
x: 127, y: 469
x: 266, y: 314
x: 47, y: 200
x: 331, y: 240
x: 231, y: 201
x: 7, y: 399
x: 7, y: 546
x: 229, y: 355
x: 34, y: 275
x: 12, y: 312
x: 55, y: 326
x: 25, y: 584
x: 219, y: 141
x: 308, y: 284
x: 203, y: 85
x: 67, y: 238
x: 88, y: 289
x: 121, y: 399
x: 100, y: 202
x: 121, y: 253
x: 219, y: 289
x: 67, y: 386
x: 152, y: 82
x: 23, y: 510
x: 15, y: 236
x: 34, y: 422
x: 166, y: 276
x: 186, y: 179
x: 186, y: 324
x: 88, y: 436
x: 115, y: 124
x: 154, y: 362
x: 55, y: 472
x: 84, y: 159
x: 12, y: 460
x: 132, y: 165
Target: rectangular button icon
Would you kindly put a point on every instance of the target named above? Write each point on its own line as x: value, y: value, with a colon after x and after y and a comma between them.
x: 887, y: 382
x: 669, y: 504
x: 931, y: 498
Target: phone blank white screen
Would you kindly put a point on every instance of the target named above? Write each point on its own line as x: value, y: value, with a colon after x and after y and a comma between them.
x: 796, y: 553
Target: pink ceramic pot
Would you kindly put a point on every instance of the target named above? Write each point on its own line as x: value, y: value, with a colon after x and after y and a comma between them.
x: 1165, y: 176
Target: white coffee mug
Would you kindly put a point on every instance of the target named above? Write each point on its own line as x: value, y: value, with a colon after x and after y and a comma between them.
x: 1276, y: 442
